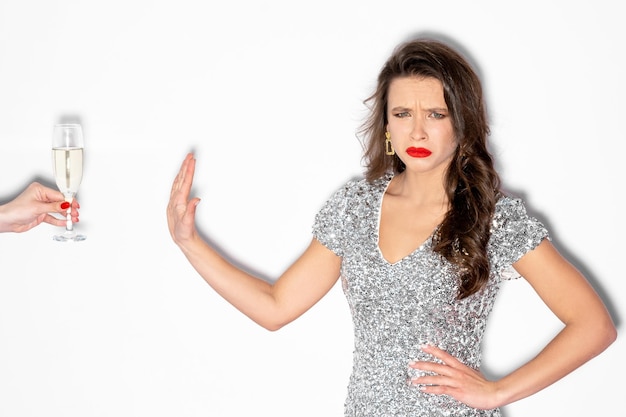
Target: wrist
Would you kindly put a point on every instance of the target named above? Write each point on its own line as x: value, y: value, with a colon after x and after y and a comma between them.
x: 502, y: 393
x: 189, y: 244
x: 4, y: 226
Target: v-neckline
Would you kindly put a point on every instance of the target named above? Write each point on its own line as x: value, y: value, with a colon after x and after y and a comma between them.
x: 380, y: 215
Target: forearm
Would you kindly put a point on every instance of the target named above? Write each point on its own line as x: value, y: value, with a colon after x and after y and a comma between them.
x: 571, y: 348
x: 250, y: 295
x: 270, y: 305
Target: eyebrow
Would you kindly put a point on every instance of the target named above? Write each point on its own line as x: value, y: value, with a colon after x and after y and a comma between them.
x: 431, y: 109
x: 438, y: 109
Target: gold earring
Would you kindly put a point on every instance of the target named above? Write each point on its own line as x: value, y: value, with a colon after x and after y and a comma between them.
x: 388, y: 148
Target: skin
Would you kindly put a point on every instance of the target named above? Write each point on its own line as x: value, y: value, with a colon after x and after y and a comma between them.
x: 417, y: 117
x: 415, y: 202
x: 33, y: 207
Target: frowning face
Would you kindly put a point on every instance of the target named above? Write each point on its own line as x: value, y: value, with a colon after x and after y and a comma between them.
x: 420, y: 126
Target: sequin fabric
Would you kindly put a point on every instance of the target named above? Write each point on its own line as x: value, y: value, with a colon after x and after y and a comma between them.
x: 398, y: 307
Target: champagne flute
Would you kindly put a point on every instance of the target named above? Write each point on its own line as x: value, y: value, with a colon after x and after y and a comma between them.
x: 67, y: 164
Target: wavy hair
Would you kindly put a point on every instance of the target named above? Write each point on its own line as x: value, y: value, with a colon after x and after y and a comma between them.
x: 471, y: 182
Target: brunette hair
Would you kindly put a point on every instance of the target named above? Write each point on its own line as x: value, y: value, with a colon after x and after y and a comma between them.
x: 472, y: 183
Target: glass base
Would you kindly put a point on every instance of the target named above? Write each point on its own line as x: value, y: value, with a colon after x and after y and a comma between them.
x: 69, y: 237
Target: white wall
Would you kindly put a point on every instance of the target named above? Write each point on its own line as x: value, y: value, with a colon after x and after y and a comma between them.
x: 268, y: 94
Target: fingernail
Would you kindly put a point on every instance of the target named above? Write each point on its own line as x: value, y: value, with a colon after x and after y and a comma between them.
x: 65, y: 205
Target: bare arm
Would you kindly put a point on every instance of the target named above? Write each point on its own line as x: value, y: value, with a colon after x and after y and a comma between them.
x: 588, y: 331
x: 272, y: 306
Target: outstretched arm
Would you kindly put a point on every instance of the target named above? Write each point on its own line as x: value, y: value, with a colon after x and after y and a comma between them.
x: 33, y: 207
x: 270, y: 305
x: 588, y: 331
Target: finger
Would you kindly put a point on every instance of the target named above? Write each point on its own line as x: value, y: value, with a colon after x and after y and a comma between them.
x: 178, y: 177
x: 185, y: 215
x: 185, y: 174
x: 441, y: 354
x: 62, y: 208
x: 56, y: 207
x: 53, y: 220
x: 433, y: 380
x: 190, y: 169
x: 181, y: 172
x: 45, y: 194
x: 433, y: 367
x: 191, y: 209
x: 181, y: 197
x: 440, y: 390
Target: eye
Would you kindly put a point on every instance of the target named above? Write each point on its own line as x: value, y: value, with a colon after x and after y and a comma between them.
x: 402, y: 114
x: 436, y: 115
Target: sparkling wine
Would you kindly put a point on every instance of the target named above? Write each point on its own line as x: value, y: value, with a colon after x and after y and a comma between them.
x: 68, y: 169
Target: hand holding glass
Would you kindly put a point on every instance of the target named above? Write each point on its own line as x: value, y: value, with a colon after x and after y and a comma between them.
x: 67, y: 163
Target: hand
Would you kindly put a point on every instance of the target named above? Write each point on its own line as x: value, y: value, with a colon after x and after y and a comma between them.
x: 455, y: 379
x: 181, y: 211
x: 32, y: 207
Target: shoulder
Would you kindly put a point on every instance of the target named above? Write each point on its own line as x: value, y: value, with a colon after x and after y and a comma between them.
x: 336, y: 221
x: 509, y: 207
x: 356, y: 197
x: 358, y: 189
x: 360, y: 185
x: 514, y: 231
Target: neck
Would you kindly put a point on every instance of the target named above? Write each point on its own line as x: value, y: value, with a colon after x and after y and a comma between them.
x: 420, y: 188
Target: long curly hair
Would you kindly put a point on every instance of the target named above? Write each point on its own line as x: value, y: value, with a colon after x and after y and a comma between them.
x: 471, y: 183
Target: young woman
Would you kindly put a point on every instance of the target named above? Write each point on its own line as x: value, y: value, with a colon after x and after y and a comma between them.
x: 422, y: 245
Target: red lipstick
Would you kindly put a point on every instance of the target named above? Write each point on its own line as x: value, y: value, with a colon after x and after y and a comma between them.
x: 418, y: 152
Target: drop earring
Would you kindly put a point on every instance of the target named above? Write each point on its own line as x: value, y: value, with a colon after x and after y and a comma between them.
x: 388, y: 148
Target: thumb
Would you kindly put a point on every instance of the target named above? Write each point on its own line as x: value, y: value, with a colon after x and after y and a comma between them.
x: 191, y: 207
x: 56, y: 207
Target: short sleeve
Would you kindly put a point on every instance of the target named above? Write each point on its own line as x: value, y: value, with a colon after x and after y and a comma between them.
x: 329, y: 225
x: 514, y: 233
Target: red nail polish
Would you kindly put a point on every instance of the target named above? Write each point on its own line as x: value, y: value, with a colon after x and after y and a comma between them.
x: 65, y: 205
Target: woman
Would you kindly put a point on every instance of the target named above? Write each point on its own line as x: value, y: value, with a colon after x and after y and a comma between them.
x: 422, y: 244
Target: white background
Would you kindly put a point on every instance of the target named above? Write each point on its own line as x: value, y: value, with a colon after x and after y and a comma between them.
x: 269, y: 96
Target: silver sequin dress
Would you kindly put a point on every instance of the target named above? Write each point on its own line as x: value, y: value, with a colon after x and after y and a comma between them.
x: 398, y: 307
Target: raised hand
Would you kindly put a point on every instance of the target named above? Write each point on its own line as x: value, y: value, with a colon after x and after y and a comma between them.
x: 181, y: 211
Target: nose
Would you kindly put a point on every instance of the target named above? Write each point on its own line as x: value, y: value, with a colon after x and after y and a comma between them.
x: 418, y: 131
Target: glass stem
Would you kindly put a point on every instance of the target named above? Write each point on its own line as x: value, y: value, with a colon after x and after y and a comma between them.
x: 69, y: 226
